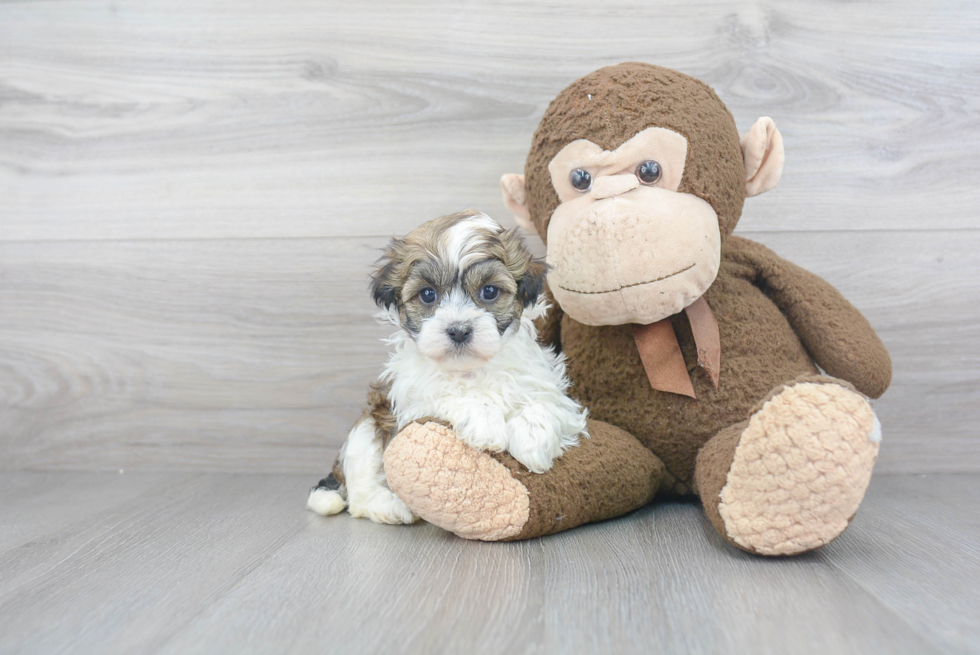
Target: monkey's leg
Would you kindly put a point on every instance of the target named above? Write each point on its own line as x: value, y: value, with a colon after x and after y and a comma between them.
x: 491, y: 497
x: 790, y: 478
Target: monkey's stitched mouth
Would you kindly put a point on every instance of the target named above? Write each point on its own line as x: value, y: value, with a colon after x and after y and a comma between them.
x: 635, y: 284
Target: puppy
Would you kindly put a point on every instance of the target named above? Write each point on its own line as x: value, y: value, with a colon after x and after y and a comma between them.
x: 463, y: 293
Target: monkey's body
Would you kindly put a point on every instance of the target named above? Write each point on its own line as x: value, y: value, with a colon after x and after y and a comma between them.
x: 759, y: 351
x: 635, y: 181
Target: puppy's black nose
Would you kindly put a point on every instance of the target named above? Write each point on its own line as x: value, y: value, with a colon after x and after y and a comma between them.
x: 459, y: 333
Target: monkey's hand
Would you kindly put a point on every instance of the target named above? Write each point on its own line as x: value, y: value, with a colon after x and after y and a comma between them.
x: 834, y: 332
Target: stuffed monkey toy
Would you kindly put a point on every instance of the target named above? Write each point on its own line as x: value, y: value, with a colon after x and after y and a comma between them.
x: 709, y: 365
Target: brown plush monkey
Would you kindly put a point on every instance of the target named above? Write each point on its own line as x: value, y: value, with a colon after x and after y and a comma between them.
x: 696, y: 351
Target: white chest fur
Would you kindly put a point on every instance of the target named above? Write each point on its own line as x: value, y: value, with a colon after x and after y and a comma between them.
x: 516, y: 401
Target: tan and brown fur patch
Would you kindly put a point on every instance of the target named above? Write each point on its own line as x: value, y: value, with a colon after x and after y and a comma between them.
x: 379, y: 409
x: 464, y: 249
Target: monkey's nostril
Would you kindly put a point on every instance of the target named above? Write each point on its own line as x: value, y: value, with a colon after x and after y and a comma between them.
x: 459, y: 333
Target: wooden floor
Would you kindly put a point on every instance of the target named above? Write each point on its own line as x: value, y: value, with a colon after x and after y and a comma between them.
x: 217, y: 562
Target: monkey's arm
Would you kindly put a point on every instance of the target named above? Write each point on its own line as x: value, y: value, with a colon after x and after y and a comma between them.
x: 835, y: 333
x: 549, y: 326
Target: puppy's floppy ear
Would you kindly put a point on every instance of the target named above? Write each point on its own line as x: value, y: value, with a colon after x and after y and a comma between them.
x: 528, y: 271
x: 529, y: 286
x: 386, y: 284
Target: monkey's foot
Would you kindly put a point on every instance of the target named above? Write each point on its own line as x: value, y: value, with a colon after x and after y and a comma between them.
x: 799, y: 472
x: 458, y: 488
x: 494, y: 498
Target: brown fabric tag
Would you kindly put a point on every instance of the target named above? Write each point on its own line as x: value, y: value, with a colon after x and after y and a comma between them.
x: 706, y: 337
x: 662, y: 358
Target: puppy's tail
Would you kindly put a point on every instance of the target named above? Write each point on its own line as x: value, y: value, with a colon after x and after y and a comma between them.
x: 327, y: 497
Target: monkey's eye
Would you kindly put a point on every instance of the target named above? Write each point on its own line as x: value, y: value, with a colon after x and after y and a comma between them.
x: 648, y: 172
x: 427, y: 295
x: 489, y: 292
x: 581, y: 179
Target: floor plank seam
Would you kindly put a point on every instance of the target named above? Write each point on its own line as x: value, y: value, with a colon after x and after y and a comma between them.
x: 214, y: 599
x: 888, y: 607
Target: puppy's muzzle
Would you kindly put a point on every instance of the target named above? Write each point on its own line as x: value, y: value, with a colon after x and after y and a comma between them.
x: 460, y: 333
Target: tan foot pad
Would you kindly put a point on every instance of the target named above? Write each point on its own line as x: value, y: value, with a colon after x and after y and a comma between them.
x: 453, y: 486
x: 800, y: 470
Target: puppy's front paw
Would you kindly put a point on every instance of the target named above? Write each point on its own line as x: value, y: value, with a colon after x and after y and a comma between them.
x: 482, y: 428
x: 533, y: 444
x: 382, y: 506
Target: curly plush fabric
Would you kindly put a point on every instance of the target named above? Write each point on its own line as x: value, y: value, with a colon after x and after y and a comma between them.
x: 800, y: 470
x: 482, y: 496
x: 791, y: 478
x: 453, y: 486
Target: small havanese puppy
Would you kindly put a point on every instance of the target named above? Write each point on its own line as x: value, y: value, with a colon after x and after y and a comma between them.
x: 464, y: 293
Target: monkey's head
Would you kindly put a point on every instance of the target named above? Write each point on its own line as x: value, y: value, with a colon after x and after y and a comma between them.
x: 635, y: 177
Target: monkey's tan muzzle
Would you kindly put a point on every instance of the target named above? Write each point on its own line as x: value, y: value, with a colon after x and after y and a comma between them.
x: 648, y: 254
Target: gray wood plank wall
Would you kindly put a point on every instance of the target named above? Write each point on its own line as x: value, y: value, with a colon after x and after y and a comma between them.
x: 192, y: 193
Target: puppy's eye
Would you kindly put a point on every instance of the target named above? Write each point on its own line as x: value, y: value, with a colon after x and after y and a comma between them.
x: 428, y: 295
x: 489, y: 293
x: 580, y: 179
x: 648, y: 172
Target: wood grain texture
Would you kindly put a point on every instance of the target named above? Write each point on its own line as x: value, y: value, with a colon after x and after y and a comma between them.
x: 32, y: 503
x: 240, y: 118
x: 197, y: 354
x: 124, y: 571
x: 918, y: 546
x: 256, y: 354
x: 191, y: 194
x: 233, y: 563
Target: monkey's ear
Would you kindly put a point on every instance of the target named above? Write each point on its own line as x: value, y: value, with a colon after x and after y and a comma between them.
x: 762, y: 152
x: 512, y: 186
